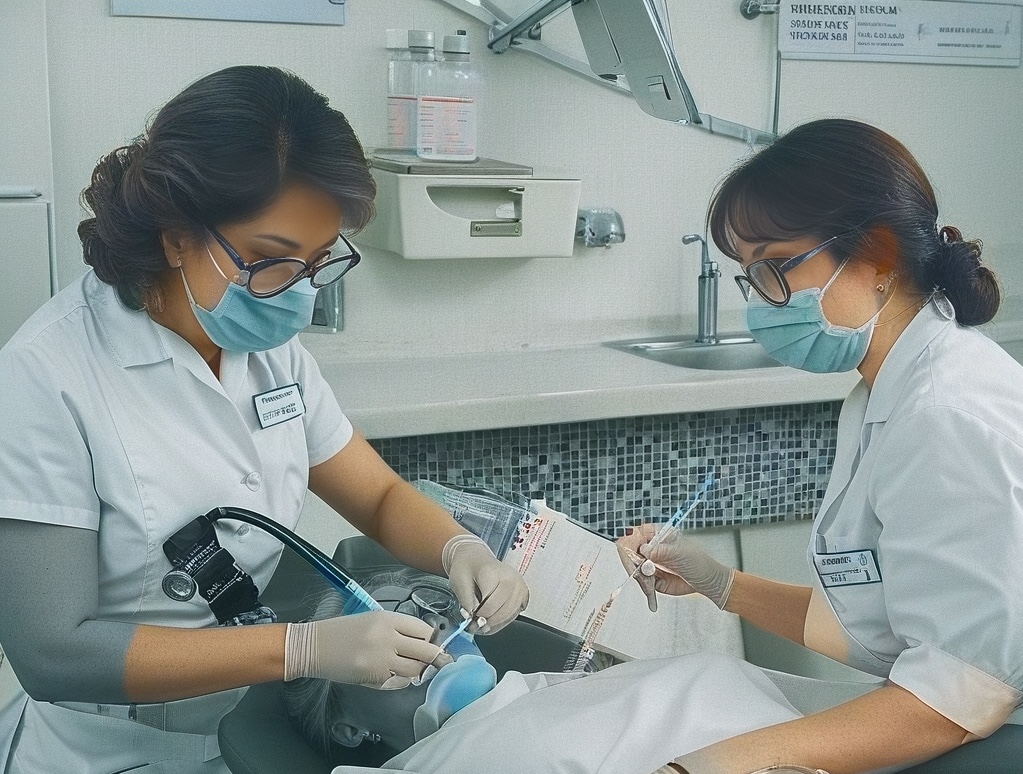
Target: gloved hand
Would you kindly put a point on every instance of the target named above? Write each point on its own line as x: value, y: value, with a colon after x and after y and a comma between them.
x: 689, y: 568
x: 485, y: 587
x: 365, y: 648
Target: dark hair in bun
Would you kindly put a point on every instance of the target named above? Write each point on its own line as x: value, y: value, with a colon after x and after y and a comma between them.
x: 837, y: 177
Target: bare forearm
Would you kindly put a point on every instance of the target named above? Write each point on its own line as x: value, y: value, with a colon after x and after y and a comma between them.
x: 886, y: 727
x: 361, y: 487
x: 779, y: 608
x: 414, y: 528
x: 165, y: 663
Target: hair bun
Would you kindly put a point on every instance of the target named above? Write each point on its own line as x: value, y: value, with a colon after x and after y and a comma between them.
x: 950, y: 234
x: 970, y: 286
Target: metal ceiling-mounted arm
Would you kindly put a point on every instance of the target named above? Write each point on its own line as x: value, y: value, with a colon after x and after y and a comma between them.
x: 501, y: 38
x: 751, y: 9
x: 624, y: 40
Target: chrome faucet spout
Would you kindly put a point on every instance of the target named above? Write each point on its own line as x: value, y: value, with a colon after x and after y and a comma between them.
x: 707, y: 294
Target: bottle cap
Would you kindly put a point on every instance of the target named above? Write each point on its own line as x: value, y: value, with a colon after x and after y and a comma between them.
x: 420, y: 39
x: 456, y: 44
x: 397, y: 39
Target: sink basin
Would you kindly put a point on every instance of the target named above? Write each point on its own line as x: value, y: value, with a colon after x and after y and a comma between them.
x: 732, y: 353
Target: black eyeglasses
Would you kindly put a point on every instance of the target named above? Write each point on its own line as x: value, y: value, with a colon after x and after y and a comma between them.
x: 270, y: 276
x: 767, y: 276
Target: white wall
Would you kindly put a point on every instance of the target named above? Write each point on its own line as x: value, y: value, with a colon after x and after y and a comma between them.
x: 107, y: 74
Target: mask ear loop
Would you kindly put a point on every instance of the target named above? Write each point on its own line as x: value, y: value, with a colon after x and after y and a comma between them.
x: 893, y: 282
x: 834, y: 276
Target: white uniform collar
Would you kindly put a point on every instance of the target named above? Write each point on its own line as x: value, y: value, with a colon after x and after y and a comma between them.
x: 891, y: 379
x: 131, y: 335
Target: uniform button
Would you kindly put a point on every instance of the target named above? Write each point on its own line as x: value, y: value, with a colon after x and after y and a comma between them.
x: 243, y: 530
x: 252, y: 481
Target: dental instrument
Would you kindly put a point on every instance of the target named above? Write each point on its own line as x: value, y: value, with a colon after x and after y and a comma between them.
x: 356, y: 598
x: 458, y: 630
x: 678, y: 518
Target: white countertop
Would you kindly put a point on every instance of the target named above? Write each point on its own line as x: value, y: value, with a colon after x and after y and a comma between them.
x: 389, y: 397
x: 392, y: 396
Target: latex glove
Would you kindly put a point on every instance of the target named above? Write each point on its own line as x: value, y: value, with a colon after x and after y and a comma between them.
x: 689, y: 568
x: 365, y: 648
x: 485, y: 587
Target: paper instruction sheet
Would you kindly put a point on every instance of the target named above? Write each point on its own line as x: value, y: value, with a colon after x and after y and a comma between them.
x: 571, y: 572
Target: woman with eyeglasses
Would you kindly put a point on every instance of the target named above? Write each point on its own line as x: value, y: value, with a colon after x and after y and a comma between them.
x: 166, y: 382
x: 915, y: 549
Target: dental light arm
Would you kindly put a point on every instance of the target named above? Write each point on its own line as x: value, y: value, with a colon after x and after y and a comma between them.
x: 629, y: 38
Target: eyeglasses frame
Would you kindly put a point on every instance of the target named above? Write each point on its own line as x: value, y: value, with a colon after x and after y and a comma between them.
x: 787, y: 264
x: 247, y: 270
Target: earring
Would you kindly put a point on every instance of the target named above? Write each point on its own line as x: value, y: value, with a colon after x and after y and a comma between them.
x: 880, y: 288
x: 179, y: 262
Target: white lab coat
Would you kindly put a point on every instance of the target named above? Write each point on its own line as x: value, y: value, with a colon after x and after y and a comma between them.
x: 121, y: 427
x: 916, y: 547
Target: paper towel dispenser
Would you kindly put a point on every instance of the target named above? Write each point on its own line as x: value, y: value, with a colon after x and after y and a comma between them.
x: 487, y: 209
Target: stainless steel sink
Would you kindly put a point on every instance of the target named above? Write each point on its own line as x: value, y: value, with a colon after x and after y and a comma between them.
x: 730, y: 353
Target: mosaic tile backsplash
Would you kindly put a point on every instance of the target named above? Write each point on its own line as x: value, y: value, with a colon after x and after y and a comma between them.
x: 770, y: 464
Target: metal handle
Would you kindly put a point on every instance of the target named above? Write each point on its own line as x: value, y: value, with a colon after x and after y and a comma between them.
x: 19, y: 192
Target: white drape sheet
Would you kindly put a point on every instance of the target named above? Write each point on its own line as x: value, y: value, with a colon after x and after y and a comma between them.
x: 629, y: 719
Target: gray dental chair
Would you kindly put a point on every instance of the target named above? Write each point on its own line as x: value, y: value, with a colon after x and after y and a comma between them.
x: 256, y: 737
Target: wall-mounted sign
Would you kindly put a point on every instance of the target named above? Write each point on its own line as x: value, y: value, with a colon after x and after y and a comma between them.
x: 928, y: 31
x: 291, y: 11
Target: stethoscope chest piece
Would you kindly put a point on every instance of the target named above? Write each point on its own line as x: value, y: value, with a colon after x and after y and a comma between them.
x: 179, y: 585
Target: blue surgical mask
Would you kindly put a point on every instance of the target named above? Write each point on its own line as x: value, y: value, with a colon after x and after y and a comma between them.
x: 799, y: 335
x: 241, y: 322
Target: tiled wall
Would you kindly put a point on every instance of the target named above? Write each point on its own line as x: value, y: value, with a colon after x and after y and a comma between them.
x: 770, y: 464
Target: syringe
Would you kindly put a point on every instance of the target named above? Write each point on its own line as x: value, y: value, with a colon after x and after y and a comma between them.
x: 679, y: 516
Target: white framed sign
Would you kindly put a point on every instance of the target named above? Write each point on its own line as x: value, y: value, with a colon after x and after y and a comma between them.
x: 330, y: 12
x: 922, y: 31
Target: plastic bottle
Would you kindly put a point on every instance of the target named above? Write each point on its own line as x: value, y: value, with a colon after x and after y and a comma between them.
x: 401, y: 95
x: 447, y: 104
x: 408, y: 50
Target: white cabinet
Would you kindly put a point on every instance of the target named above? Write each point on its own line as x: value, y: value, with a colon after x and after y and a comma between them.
x: 25, y: 164
x: 24, y: 261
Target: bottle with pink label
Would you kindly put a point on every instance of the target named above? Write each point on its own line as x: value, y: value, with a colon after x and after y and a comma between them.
x: 409, y: 51
x: 447, y: 104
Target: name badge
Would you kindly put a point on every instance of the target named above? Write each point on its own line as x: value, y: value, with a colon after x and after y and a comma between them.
x: 280, y: 405
x: 850, y: 568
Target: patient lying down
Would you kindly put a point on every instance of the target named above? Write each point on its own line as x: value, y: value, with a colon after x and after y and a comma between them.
x: 627, y: 719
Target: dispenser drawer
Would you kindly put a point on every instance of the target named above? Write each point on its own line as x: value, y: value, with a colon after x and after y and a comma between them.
x: 439, y: 216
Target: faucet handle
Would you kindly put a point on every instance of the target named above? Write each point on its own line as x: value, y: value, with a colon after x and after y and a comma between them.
x: 707, y: 266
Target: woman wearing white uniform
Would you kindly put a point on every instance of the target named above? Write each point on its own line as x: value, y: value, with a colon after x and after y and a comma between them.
x: 915, y: 549
x: 916, y: 545
x: 167, y: 382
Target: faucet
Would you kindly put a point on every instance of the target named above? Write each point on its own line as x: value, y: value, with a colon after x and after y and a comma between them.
x: 707, y: 296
